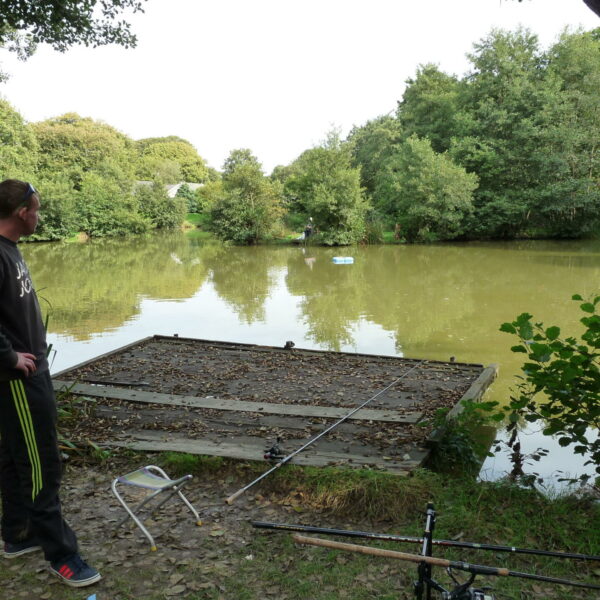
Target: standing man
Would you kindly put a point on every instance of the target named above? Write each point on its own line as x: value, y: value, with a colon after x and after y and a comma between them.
x: 30, y: 465
x: 308, y: 229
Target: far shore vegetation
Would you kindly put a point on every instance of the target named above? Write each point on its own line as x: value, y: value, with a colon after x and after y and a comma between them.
x: 507, y: 151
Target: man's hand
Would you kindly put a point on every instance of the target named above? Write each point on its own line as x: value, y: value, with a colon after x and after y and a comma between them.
x: 26, y: 363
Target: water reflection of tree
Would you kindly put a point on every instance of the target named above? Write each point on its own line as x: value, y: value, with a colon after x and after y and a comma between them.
x: 414, y: 292
x: 451, y: 299
x: 417, y: 292
x: 333, y: 296
x: 98, y: 286
x: 244, y: 277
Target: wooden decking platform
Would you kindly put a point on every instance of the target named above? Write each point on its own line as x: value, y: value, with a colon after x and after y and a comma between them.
x: 235, y: 400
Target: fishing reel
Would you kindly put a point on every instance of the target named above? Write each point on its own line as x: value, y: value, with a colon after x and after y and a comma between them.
x: 274, y: 452
x: 464, y: 591
x: 469, y: 594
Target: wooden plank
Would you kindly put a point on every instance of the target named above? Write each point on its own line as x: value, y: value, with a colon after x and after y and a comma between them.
x: 238, y: 424
x: 161, y: 442
x: 365, y: 414
x: 477, y: 388
x: 474, y: 393
x: 101, y: 356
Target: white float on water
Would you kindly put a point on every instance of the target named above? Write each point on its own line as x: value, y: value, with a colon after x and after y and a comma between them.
x: 343, y: 260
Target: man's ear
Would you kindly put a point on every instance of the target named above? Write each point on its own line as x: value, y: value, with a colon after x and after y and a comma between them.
x: 22, y: 212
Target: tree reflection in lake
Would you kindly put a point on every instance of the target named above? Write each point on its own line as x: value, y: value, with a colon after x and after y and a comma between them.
x: 98, y: 286
x: 245, y: 278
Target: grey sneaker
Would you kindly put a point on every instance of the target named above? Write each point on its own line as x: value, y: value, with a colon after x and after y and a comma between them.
x: 74, y: 571
x: 20, y: 548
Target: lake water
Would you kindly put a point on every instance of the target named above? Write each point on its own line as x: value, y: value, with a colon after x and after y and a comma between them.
x: 430, y: 301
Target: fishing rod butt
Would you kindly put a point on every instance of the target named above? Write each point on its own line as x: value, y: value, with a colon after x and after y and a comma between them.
x: 231, y: 499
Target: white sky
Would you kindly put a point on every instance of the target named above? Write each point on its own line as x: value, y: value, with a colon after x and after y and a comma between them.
x: 270, y: 75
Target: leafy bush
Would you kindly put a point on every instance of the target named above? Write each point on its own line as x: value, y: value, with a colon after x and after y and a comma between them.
x: 323, y: 184
x: 58, y: 200
x: 425, y: 192
x: 246, y: 208
x: 161, y: 211
x: 459, y: 447
x: 189, y: 196
x: 560, y: 386
x: 104, y: 209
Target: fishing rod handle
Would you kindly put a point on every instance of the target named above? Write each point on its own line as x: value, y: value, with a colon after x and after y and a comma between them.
x: 302, y: 539
x: 231, y: 499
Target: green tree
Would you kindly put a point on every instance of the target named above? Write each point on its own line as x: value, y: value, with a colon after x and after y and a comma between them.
x: 213, y: 174
x: 97, y: 162
x: 26, y: 23
x: 372, y: 144
x: 59, y: 208
x: 161, y: 211
x: 425, y: 192
x: 208, y: 195
x: 324, y: 184
x: 237, y: 158
x: 191, y: 200
x: 155, y: 168
x: 570, y: 191
x: 500, y: 127
x: 18, y: 145
x: 429, y: 106
x: 281, y: 173
x: 249, y: 207
x: 174, y: 150
x: 103, y: 209
x: 74, y: 145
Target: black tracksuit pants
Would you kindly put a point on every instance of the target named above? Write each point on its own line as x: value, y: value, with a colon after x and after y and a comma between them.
x: 30, y: 467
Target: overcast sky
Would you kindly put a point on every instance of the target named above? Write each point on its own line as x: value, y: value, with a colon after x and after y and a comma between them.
x: 270, y: 75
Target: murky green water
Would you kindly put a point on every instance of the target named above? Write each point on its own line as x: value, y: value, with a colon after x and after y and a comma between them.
x: 417, y: 301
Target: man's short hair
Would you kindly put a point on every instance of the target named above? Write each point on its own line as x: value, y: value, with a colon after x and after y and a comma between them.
x: 14, y: 194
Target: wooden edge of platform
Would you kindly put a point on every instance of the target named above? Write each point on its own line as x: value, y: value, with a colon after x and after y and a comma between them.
x: 475, y: 392
x: 157, y: 442
x: 259, y: 348
x: 264, y: 348
x: 212, y: 403
x: 101, y: 356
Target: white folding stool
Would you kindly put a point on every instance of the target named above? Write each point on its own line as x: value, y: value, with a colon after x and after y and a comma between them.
x: 155, y: 479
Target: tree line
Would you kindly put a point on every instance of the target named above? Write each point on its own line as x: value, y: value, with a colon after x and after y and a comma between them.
x: 508, y: 150
x: 94, y: 179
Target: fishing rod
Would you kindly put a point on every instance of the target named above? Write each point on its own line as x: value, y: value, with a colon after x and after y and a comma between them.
x: 420, y: 540
x: 289, y: 457
x: 439, y: 562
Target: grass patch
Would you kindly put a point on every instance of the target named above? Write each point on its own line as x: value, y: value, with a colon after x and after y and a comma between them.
x: 375, y: 494
x: 498, y: 511
x: 196, y: 219
x: 388, y: 238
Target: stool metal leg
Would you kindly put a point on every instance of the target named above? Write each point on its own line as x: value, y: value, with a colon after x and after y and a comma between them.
x: 137, y: 521
x: 177, y: 490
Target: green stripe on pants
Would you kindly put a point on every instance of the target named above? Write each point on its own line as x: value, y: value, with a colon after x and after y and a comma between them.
x: 22, y: 408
